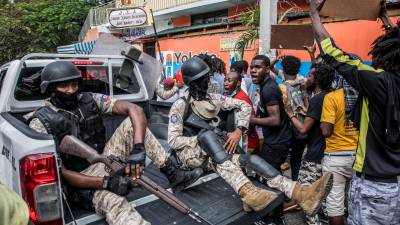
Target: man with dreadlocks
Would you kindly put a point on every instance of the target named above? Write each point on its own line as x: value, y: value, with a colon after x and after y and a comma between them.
x: 197, y: 145
x: 375, y: 190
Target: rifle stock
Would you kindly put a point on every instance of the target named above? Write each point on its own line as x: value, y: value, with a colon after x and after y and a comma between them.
x: 73, y: 146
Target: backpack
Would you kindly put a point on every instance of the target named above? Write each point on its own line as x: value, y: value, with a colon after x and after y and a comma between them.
x: 296, y: 99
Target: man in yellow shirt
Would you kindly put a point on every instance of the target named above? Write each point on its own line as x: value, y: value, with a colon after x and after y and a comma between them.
x: 341, y: 143
x: 13, y: 209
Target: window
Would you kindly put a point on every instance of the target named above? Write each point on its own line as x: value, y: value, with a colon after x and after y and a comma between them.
x: 210, y: 17
x: 94, y: 79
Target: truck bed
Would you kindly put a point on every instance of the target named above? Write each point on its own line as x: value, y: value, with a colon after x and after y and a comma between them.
x: 211, y: 197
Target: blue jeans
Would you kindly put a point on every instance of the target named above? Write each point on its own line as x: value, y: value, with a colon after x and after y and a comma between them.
x: 373, y: 203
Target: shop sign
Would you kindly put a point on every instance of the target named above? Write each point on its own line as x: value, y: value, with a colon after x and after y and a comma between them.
x: 128, y: 17
x: 130, y: 34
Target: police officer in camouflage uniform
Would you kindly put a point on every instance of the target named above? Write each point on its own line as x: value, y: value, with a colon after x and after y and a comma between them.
x: 202, y: 148
x: 69, y: 111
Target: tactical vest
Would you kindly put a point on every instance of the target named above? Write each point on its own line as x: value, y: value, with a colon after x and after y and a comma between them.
x: 191, y: 126
x: 226, y: 123
x: 85, y: 122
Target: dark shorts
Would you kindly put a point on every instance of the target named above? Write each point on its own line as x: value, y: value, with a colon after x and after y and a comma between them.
x: 274, y: 154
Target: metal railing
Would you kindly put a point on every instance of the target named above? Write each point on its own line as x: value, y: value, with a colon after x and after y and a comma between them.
x: 98, y: 15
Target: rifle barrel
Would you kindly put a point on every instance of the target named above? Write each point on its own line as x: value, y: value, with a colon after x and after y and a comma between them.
x: 198, y: 218
x: 171, y: 199
x: 159, y: 192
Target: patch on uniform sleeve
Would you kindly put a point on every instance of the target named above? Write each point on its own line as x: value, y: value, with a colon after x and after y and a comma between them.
x: 174, y: 119
x: 103, y: 102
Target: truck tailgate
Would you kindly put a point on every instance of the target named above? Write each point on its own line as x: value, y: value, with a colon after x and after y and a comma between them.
x: 212, y: 198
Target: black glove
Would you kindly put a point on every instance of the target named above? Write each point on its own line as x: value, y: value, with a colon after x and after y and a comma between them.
x: 117, y: 184
x: 137, y: 155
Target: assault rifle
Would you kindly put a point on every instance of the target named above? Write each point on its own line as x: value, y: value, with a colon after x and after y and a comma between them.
x: 73, y: 146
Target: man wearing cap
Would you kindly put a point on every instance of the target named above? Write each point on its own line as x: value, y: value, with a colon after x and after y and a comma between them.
x: 198, y: 146
x: 69, y: 111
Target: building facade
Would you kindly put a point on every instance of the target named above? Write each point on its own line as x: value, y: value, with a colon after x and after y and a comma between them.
x: 189, y: 27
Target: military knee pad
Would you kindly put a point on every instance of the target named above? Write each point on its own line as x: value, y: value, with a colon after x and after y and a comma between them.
x: 213, y: 146
x: 257, y: 164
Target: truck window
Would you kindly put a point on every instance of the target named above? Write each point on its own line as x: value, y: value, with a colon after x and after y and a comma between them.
x: 2, y: 75
x: 94, y: 79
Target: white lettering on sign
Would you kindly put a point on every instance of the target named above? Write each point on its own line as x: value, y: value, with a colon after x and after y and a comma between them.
x: 131, y: 17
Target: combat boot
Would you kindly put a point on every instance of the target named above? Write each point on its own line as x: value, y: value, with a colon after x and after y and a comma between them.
x: 309, y: 198
x: 179, y: 178
x: 255, y: 198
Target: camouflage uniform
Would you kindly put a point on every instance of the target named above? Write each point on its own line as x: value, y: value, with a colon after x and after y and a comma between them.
x: 116, y: 208
x: 192, y: 156
x: 190, y: 153
x: 166, y: 94
x: 373, y: 203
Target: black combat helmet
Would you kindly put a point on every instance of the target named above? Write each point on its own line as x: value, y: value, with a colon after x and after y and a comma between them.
x: 193, y: 69
x: 56, y: 72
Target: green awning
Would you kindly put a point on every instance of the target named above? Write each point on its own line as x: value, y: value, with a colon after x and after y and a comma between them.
x: 192, y: 28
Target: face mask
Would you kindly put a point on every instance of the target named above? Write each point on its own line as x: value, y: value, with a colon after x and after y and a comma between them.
x: 199, y: 90
x: 63, y: 100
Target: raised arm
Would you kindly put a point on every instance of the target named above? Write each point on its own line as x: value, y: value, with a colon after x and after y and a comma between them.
x: 320, y: 32
x: 387, y: 23
x: 311, y: 52
x: 166, y: 94
x: 360, y: 76
x: 273, y: 63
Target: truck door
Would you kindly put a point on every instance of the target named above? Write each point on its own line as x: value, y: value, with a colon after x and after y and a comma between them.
x: 5, y: 165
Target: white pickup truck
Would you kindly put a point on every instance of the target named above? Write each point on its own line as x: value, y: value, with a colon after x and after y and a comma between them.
x: 29, y: 164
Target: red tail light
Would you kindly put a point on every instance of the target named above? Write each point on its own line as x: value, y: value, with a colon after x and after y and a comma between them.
x: 40, y: 189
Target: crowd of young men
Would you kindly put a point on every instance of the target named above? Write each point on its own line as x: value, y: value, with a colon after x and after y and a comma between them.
x: 346, y: 115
